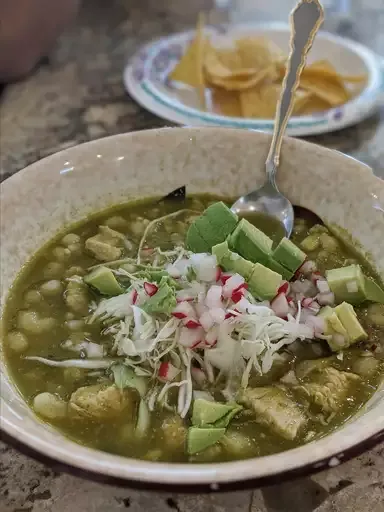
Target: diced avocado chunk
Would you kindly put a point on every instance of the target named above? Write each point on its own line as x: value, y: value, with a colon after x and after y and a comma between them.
x: 276, y: 267
x: 347, y: 283
x: 288, y: 255
x: 373, y: 291
x: 201, y: 438
x: 104, y: 280
x: 211, y: 228
x: 207, y: 413
x: 225, y: 420
x: 231, y: 261
x: 348, y: 318
x: 222, y: 219
x: 250, y: 242
x: 264, y: 282
x: 194, y: 240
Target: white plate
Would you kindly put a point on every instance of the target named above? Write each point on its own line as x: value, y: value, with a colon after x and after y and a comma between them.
x: 145, y: 79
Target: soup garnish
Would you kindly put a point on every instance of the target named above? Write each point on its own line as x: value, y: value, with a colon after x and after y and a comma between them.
x: 176, y: 331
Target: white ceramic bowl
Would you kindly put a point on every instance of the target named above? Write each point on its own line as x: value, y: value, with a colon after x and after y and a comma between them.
x: 146, y: 74
x: 63, y: 188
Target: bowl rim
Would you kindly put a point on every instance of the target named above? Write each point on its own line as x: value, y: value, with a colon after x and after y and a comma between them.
x: 236, y: 475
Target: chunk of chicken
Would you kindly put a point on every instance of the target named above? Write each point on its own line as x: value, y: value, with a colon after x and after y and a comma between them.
x: 327, y: 388
x: 275, y: 409
x: 101, y: 401
x: 106, y: 245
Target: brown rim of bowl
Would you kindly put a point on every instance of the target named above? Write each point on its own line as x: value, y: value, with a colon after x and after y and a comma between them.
x: 240, y: 485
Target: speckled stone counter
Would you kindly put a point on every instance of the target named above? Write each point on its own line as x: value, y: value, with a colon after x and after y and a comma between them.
x: 78, y: 95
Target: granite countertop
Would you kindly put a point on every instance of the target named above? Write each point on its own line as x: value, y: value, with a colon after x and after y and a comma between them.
x: 78, y: 95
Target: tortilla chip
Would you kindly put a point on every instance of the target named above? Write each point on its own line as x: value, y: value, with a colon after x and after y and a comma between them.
x: 328, y: 90
x: 226, y: 103
x: 313, y: 105
x: 256, y: 52
x: 190, y: 68
x: 238, y: 83
x: 301, y: 100
x: 216, y: 69
x: 260, y: 102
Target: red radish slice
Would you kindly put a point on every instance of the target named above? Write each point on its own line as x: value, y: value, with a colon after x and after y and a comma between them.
x: 205, y: 266
x: 218, y: 315
x: 315, y: 307
x: 133, y: 295
x: 191, y: 323
x: 229, y: 315
x: 224, y: 277
x: 237, y: 296
x: 168, y: 372
x: 323, y: 286
x: 280, y: 305
x: 183, y: 310
x: 308, y: 267
x: 232, y: 284
x: 190, y: 337
x: 315, y: 276
x: 206, y: 320
x: 326, y: 299
x: 306, y: 302
x: 198, y: 375
x: 213, y: 298
x: 211, y: 336
x: 150, y: 288
x: 284, y: 288
x: 218, y: 274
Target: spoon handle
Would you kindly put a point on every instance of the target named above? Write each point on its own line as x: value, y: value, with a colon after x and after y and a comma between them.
x: 305, y: 21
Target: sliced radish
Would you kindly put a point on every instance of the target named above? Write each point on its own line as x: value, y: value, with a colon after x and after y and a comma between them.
x: 225, y: 276
x: 315, y: 276
x: 218, y: 274
x: 211, y: 336
x: 280, y: 305
x: 306, y: 302
x: 191, y: 323
x: 326, y: 299
x: 243, y: 305
x: 168, y: 372
x: 237, y: 296
x: 323, y: 286
x: 133, y: 295
x: 150, y: 288
x: 183, y: 310
x: 205, y: 266
x: 218, y: 315
x: 308, y: 267
x: 206, y: 320
x: 190, y: 337
x: 213, y: 297
x: 232, y: 284
x: 284, y: 288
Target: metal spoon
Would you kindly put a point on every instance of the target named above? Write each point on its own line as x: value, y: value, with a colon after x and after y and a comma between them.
x: 305, y: 21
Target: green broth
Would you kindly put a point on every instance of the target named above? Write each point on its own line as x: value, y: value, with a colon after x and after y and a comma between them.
x: 116, y: 435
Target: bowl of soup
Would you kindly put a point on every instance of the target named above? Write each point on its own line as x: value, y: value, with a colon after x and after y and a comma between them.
x: 153, y: 338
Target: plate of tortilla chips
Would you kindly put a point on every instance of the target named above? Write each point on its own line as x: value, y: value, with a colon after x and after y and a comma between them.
x: 233, y: 77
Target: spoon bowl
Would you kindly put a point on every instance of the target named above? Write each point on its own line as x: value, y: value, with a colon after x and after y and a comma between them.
x: 305, y: 22
x: 269, y: 201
